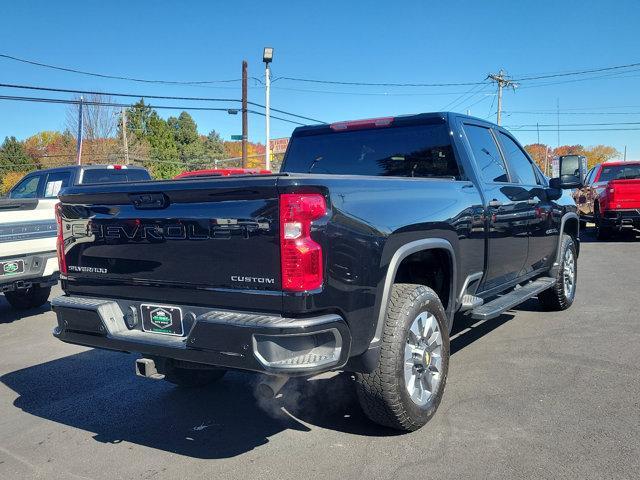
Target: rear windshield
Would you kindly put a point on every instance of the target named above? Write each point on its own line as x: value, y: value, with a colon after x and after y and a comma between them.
x: 411, y: 151
x: 107, y: 175
x: 620, y: 172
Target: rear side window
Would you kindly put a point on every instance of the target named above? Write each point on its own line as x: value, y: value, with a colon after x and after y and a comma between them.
x: 411, y: 151
x: 521, y: 167
x: 56, y: 182
x: 27, y: 188
x: 620, y: 172
x: 109, y: 175
x: 486, y: 153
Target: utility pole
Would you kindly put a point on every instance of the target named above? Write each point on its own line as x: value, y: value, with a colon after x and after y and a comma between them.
x: 503, y: 81
x: 245, y: 123
x: 79, y: 145
x: 125, y: 143
x: 625, y: 153
x: 558, y: 113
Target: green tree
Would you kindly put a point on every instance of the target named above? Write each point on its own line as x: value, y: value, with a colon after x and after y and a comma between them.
x: 164, y: 155
x: 191, y: 150
x: 13, y: 156
x: 138, y: 119
x: 214, y: 146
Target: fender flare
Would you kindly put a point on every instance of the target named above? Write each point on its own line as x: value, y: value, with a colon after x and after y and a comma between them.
x: 399, y: 255
x: 563, y: 221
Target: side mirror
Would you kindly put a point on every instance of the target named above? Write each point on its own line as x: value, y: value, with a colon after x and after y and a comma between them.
x: 567, y: 182
x: 573, y: 171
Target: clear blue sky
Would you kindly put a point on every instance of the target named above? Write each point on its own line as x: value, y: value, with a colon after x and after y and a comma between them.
x: 416, y: 41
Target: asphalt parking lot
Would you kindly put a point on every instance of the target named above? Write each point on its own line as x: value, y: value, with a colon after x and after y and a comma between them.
x: 551, y: 395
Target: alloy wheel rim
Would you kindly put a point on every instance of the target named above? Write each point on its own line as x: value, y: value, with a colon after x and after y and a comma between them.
x: 569, y: 274
x: 423, y: 359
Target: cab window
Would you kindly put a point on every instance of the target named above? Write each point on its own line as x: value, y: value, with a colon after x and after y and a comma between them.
x: 521, y: 167
x: 486, y: 153
x: 55, y: 182
x: 27, y: 188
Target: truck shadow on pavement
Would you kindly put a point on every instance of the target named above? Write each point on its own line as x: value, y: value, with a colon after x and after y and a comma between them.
x: 97, y: 391
x: 588, y: 235
x: 9, y: 315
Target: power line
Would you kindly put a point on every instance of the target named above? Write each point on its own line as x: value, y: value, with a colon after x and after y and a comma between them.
x: 526, y: 78
x: 577, y: 72
x: 126, y: 105
x: 155, y: 97
x: 381, y: 94
x: 582, y: 130
x: 115, y: 77
x: 377, y: 84
x: 462, y: 97
x: 618, y: 75
x: 574, y: 124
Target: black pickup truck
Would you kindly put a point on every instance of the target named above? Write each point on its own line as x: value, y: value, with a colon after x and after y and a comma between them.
x: 357, y: 256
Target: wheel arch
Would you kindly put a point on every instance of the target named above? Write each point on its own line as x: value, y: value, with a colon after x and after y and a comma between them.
x: 439, y: 247
x: 570, y: 224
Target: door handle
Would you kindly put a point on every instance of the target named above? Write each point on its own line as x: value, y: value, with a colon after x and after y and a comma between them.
x: 495, y: 203
x: 532, y: 201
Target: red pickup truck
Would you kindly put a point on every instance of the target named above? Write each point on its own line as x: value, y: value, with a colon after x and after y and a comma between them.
x: 611, y: 198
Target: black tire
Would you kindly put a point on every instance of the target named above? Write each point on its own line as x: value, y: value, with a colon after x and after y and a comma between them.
x: 556, y: 297
x: 193, y: 377
x: 32, y: 297
x: 383, y: 394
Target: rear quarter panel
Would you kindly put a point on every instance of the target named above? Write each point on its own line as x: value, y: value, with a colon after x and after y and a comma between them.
x: 369, y: 219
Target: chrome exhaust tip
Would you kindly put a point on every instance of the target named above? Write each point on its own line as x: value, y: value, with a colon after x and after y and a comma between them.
x: 145, y: 367
x: 270, y: 385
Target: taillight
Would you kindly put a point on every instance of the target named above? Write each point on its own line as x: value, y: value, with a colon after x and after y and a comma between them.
x: 300, y: 256
x: 62, y: 262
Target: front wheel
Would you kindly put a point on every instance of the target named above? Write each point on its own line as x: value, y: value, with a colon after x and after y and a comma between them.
x: 561, y: 295
x: 32, y: 297
x: 406, y: 388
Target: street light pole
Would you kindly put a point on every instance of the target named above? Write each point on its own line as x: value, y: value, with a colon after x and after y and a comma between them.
x: 125, y: 143
x: 267, y: 57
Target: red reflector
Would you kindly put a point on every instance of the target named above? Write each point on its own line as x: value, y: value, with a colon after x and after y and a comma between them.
x: 359, y: 124
x: 62, y: 261
x: 300, y: 255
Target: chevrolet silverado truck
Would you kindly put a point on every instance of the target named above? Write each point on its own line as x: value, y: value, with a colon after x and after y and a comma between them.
x: 28, y: 263
x: 610, y: 198
x: 357, y: 256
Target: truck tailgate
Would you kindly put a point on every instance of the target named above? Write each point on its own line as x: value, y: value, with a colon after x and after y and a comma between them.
x: 211, y: 241
x: 624, y: 194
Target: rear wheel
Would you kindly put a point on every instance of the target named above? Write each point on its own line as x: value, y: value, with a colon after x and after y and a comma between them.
x: 192, y: 377
x: 32, y: 297
x: 406, y: 388
x: 561, y: 295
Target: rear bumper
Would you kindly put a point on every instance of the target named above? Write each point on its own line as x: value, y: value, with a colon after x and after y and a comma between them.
x: 39, y: 269
x: 225, y: 339
x: 621, y: 219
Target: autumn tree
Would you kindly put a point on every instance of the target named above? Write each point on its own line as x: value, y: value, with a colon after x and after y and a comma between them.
x: 50, y: 148
x: 540, y: 154
x: 599, y: 154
